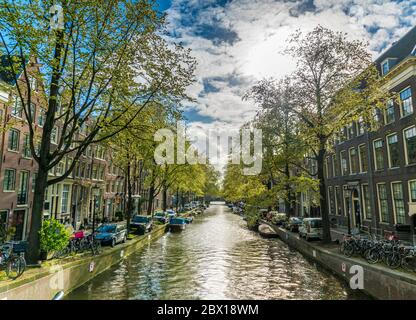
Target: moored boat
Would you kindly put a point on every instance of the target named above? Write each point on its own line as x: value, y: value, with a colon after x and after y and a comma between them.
x: 266, y: 231
x: 177, y: 224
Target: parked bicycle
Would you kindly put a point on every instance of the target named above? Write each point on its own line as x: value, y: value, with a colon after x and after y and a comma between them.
x: 12, y: 259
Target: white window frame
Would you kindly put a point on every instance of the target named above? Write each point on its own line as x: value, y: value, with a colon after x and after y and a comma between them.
x: 388, y: 149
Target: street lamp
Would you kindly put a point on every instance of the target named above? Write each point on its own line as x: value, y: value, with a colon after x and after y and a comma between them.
x: 95, y: 203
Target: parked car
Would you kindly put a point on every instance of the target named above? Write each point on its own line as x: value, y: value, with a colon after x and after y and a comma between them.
x: 278, y: 218
x: 311, y: 228
x: 187, y: 207
x: 293, y: 224
x: 160, y: 216
x: 141, y: 224
x: 171, y: 213
x: 111, y: 233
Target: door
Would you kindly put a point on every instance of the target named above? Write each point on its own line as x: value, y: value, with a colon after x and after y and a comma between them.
x: 18, y: 222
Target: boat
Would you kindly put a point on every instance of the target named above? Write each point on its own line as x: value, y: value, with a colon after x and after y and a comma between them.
x: 177, y: 224
x: 266, y: 231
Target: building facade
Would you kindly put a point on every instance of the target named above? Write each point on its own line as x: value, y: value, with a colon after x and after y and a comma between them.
x: 371, y: 175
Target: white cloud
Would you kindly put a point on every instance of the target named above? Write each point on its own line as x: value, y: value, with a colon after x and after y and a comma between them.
x: 262, y: 28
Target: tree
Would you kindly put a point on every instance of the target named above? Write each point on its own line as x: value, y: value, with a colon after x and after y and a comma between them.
x: 101, y: 61
x: 336, y: 84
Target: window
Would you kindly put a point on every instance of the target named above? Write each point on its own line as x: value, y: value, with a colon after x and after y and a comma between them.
x: 382, y: 202
x: 34, y: 177
x: 366, y: 202
x: 338, y: 200
x: 393, y: 151
x: 412, y: 190
x: 410, y: 145
x: 17, y: 108
x: 350, y: 131
x: 60, y: 168
x: 385, y: 67
x: 9, y: 181
x: 363, y: 158
x: 360, y: 126
x: 22, y: 193
x: 331, y: 200
x: 398, y: 202
x: 33, y: 82
x: 334, y: 165
x: 14, y: 137
x: 389, y: 116
x: 26, y: 147
x: 406, y: 102
x: 54, y: 135
x: 344, y: 168
x: 32, y: 111
x: 378, y: 154
x: 65, y: 197
x: 353, y: 160
x: 41, y: 117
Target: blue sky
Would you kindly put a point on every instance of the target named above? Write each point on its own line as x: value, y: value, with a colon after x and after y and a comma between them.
x: 237, y: 42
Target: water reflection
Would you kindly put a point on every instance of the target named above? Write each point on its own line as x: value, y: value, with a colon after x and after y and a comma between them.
x: 216, y: 257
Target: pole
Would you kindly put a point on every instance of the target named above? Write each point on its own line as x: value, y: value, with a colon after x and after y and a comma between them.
x: 349, y: 213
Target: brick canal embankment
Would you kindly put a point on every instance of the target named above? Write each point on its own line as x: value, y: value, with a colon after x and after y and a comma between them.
x: 379, y: 281
x: 72, y: 272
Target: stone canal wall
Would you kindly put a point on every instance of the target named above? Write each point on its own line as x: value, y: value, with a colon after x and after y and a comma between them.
x: 45, y: 282
x: 379, y: 281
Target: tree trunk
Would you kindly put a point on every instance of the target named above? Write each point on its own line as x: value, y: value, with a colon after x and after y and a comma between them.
x: 164, y: 198
x: 326, y: 231
x: 150, y: 199
x: 33, y: 249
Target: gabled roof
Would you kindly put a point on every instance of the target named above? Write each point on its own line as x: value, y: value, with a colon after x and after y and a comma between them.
x: 401, y: 49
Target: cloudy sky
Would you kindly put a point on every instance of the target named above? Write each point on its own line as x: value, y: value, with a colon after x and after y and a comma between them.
x: 237, y: 42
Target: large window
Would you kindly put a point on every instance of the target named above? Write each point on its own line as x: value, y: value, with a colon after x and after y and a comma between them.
x: 393, y: 151
x: 398, y: 202
x: 389, y: 113
x: 14, y: 137
x: 65, y: 197
x: 34, y: 177
x: 406, y: 102
x: 9, y: 182
x: 410, y: 145
x: 331, y: 200
x: 366, y: 202
x: 335, y: 167
x: 17, y: 108
x: 26, y: 147
x: 412, y: 190
x: 338, y: 202
x: 378, y: 154
x: 353, y: 161
x: 54, y: 135
x: 22, y: 193
x: 41, y: 117
x: 360, y: 126
x: 344, y: 166
x: 363, y: 157
x: 350, y: 131
x: 383, y: 203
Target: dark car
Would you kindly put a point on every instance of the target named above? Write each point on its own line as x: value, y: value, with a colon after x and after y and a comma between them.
x: 141, y: 224
x: 293, y: 224
x: 111, y: 234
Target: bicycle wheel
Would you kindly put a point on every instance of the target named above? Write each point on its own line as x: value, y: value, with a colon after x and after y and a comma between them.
x: 22, y: 265
x: 349, y: 249
x: 393, y: 260
x: 372, y: 256
x: 14, y: 268
x: 97, y: 247
x: 408, y: 263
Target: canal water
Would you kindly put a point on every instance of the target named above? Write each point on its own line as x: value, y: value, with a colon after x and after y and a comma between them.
x: 216, y: 257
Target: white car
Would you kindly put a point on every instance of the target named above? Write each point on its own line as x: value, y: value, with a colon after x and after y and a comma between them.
x: 311, y: 228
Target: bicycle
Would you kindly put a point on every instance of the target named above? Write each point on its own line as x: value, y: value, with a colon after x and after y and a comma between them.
x: 89, y: 242
x: 12, y: 259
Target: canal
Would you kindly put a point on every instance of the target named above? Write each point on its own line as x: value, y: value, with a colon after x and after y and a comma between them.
x: 216, y: 257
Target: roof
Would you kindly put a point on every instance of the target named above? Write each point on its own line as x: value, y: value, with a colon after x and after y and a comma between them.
x: 400, y: 49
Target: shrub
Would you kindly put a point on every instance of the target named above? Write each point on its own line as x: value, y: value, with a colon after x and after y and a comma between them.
x: 253, y: 217
x: 53, y: 236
